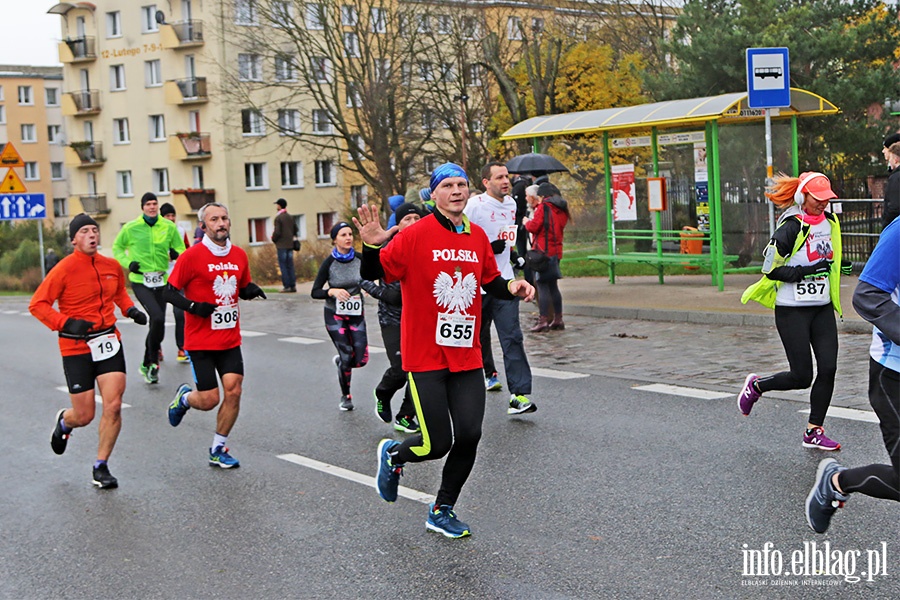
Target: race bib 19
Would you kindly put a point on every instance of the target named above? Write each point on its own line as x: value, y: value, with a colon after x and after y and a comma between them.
x: 352, y: 306
x: 811, y: 290
x: 455, y: 329
x: 104, y: 346
x: 225, y: 317
x: 154, y: 279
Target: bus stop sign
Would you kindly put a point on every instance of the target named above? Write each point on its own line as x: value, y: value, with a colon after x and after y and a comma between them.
x: 768, y: 78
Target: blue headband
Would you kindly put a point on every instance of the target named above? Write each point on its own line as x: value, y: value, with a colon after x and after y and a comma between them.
x: 444, y: 171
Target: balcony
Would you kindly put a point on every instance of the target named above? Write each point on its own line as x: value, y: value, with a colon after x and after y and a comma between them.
x: 190, y: 146
x: 197, y: 198
x: 85, y: 154
x: 186, y: 91
x: 78, y: 50
x: 81, y: 103
x: 181, y: 34
x: 94, y: 204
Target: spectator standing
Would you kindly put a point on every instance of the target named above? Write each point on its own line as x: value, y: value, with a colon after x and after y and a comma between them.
x: 284, y: 235
x: 892, y: 190
x: 547, y: 226
x: 50, y: 260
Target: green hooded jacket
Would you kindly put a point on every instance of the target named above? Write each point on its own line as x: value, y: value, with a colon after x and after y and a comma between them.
x: 147, y: 245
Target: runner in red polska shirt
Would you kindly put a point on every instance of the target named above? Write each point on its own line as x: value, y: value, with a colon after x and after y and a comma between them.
x: 212, y: 275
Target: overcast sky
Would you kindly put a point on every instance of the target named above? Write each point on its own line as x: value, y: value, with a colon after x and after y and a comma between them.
x: 28, y: 35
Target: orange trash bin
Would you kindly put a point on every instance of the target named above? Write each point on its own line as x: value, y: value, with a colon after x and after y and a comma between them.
x: 691, y: 243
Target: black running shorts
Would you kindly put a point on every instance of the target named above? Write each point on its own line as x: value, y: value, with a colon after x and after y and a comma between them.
x: 81, y: 370
x: 206, y: 363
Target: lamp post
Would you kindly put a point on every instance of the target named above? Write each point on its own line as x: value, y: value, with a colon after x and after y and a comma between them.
x: 462, y: 126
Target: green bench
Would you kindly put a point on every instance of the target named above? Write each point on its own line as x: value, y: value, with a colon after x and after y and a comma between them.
x: 654, y: 258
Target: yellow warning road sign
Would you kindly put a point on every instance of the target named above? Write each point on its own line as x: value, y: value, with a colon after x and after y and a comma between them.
x: 10, y: 157
x: 12, y: 184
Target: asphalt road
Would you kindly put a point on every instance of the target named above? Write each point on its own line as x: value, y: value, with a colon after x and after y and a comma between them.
x: 608, y: 491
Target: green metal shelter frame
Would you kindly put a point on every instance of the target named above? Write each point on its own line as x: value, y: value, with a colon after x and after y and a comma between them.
x: 709, y: 112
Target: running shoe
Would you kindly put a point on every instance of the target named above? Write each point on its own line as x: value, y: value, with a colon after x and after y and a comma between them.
x: 220, y: 458
x: 519, y: 404
x: 823, y: 500
x: 382, y: 408
x: 346, y: 402
x: 176, y: 409
x: 103, y: 479
x: 816, y: 438
x: 182, y: 357
x: 748, y: 396
x: 145, y: 373
x: 58, y: 439
x: 492, y: 384
x: 406, y: 424
x: 443, y: 520
x: 388, y: 478
x: 153, y: 373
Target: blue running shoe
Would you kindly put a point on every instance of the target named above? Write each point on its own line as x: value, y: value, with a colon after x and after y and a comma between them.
x: 388, y: 478
x: 443, y: 520
x: 823, y: 500
x: 177, y: 410
x: 492, y: 384
x: 220, y: 458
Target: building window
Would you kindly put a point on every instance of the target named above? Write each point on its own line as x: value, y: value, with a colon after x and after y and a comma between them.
x: 2, y: 98
x: 25, y: 95
x: 160, y: 181
x: 117, y: 78
x: 537, y: 25
x: 250, y: 67
x: 356, y: 143
x: 471, y: 28
x: 2, y: 114
x: 121, y: 135
x: 60, y: 207
x: 445, y: 24
x: 252, y: 122
x: 282, y: 13
x: 324, y: 223
x: 289, y: 122
x: 284, y: 68
x: 321, y: 124
x: 152, y: 73
x: 54, y: 134
x: 258, y: 230
x: 354, y: 99
x: 351, y: 44
x: 148, y: 19
x: 157, y: 128
x: 197, y: 176
x: 320, y: 69
x: 246, y: 12
x: 349, y: 15
x: 256, y: 176
x: 423, y: 24
x: 31, y: 171
x: 51, y: 96
x: 431, y: 164
x: 473, y: 75
x: 514, y: 28
x: 56, y: 171
x: 382, y: 69
x: 325, y: 173
x: 315, y: 17
x: 113, y: 24
x: 359, y: 195
x: 300, y: 221
x: 377, y: 20
x: 124, y: 188
x: 292, y: 174
x: 447, y: 72
x: 29, y: 132
x: 426, y: 71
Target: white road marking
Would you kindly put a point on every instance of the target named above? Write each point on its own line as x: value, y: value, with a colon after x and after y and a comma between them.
x: 377, y: 350
x: 405, y: 492
x: 556, y: 374
x: 11, y: 312
x: 853, y: 414
x: 300, y: 340
x: 97, y: 397
x: 247, y: 333
x: 676, y: 390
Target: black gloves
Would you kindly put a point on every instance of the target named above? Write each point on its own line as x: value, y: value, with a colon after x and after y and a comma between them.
x: 820, y: 268
x: 202, y: 309
x: 498, y: 246
x: 251, y: 291
x: 135, y: 267
x: 136, y: 315
x: 173, y: 254
x: 77, y: 327
x: 517, y: 261
x: 846, y: 267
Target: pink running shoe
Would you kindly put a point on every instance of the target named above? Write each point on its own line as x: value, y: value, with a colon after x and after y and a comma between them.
x: 816, y: 438
x: 748, y: 396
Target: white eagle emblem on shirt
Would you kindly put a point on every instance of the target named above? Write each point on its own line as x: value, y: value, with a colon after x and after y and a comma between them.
x: 455, y: 296
x: 225, y: 288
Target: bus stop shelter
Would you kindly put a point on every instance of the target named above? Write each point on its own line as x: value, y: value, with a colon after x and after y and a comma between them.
x: 710, y: 113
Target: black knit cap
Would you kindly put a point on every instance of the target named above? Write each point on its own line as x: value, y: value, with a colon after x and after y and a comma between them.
x: 337, y: 228
x: 78, y: 222
x: 407, y: 208
x: 147, y: 198
x: 166, y: 209
x: 547, y: 189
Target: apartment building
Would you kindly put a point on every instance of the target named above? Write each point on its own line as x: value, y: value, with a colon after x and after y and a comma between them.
x: 31, y: 118
x: 143, y: 106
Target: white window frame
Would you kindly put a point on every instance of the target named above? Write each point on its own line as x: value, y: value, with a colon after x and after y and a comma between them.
x: 121, y: 132
x: 251, y: 228
x: 513, y: 28
x: 354, y: 98
x: 159, y: 179
x: 474, y: 75
x: 359, y: 195
x: 357, y: 140
x: 256, y: 176
x: 423, y: 23
x: 157, y: 128
x: 326, y: 175
x: 313, y: 14
x: 471, y: 27
x: 60, y: 207
x: 2, y: 97
x: 349, y: 15
x: 47, y: 92
x: 60, y: 174
x: 148, y: 19
x: 2, y: 114
x: 153, y: 73
x: 254, y: 120
x: 320, y: 69
x: 300, y: 221
x: 246, y: 12
x: 28, y: 133
x: 124, y: 184
x: 26, y: 95
x: 292, y: 175
x: 117, y: 73
x: 321, y: 230
x: 351, y: 44
x: 54, y: 134
x: 114, y: 24
x: 426, y: 70
x: 284, y: 68
x: 249, y: 67
x: 537, y: 24
x: 430, y: 163
x: 377, y: 20
x: 444, y: 24
x: 288, y: 121
x: 282, y: 13
x: 321, y: 123
x: 32, y: 171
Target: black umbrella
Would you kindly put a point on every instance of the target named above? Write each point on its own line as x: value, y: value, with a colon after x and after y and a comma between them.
x: 535, y: 164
